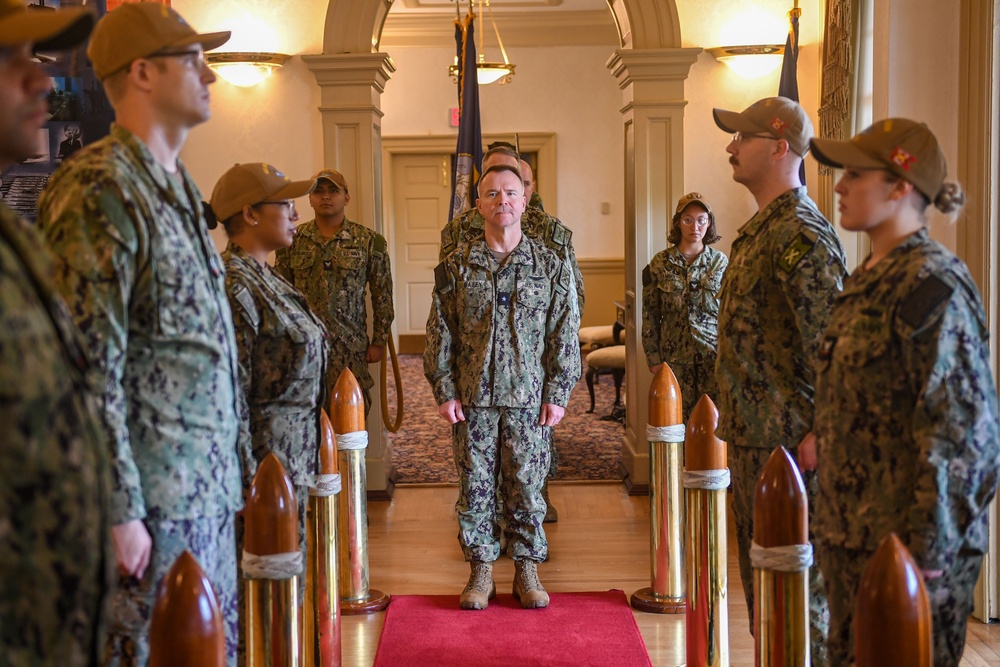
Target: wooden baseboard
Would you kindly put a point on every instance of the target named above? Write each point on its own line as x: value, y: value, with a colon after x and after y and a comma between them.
x: 388, y: 491
x: 412, y: 344
x: 630, y: 488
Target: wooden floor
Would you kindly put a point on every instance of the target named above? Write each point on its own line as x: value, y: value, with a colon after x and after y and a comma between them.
x: 600, y: 542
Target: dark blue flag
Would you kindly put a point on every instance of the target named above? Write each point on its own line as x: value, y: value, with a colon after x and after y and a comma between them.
x: 788, y: 86
x: 469, y: 152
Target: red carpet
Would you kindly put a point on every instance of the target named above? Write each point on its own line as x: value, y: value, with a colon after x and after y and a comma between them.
x: 576, y: 629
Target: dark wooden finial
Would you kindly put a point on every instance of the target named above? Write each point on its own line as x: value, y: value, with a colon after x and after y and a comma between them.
x: 702, y: 450
x: 780, y: 506
x: 327, y: 446
x: 665, y: 408
x: 271, y: 516
x: 892, y: 618
x: 347, y: 405
x: 186, y: 628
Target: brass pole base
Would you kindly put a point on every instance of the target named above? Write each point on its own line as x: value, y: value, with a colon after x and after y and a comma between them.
x: 646, y: 600
x: 376, y: 601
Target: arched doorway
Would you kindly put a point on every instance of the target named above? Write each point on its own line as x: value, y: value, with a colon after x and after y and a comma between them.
x: 650, y: 68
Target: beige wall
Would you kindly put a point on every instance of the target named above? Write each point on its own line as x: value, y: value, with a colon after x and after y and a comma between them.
x: 566, y: 90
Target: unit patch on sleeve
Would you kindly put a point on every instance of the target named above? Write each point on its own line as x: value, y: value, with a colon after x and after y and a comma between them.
x: 924, y: 301
x: 794, y: 252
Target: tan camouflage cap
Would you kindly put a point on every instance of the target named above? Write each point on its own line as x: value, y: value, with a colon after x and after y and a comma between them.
x: 331, y: 175
x: 138, y: 30
x: 251, y: 183
x: 46, y: 28
x: 902, y: 146
x: 692, y: 198
x: 779, y: 117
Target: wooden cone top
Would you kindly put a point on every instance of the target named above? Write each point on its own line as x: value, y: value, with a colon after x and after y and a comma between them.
x: 702, y: 450
x: 271, y: 519
x: 347, y: 405
x: 665, y: 406
x: 780, y: 506
x: 893, y: 614
x: 186, y: 628
x: 327, y: 446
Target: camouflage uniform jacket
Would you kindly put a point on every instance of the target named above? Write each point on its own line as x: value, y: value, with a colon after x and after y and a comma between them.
x: 680, y: 305
x: 535, y: 224
x: 147, y: 288
x: 785, y: 268
x: 503, y: 336
x: 906, y: 409
x: 54, y: 469
x: 332, y: 274
x: 282, y: 353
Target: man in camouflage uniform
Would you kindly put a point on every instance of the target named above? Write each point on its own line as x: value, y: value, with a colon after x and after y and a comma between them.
x: 54, y: 474
x: 330, y: 262
x: 906, y: 405
x: 502, y: 357
x: 785, y: 269
x: 535, y: 224
x: 146, y: 286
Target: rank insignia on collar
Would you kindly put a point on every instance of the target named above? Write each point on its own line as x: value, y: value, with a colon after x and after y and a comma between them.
x: 327, y: 264
x: 902, y: 158
x: 778, y: 125
x: 826, y: 349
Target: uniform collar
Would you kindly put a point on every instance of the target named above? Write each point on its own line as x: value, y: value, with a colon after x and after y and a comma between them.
x: 481, y: 255
x: 754, y: 224
x: 173, y: 189
x: 241, y: 256
x: 310, y: 230
x: 865, y: 279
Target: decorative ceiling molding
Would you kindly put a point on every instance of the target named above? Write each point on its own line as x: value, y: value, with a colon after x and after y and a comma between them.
x: 450, y: 4
x: 523, y: 28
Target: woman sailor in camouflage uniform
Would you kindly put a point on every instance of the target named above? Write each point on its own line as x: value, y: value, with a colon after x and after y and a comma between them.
x: 906, y: 405
x: 680, y: 301
x: 282, y: 346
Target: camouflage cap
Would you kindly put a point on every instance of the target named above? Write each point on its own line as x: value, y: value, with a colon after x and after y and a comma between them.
x: 692, y: 198
x: 251, y: 183
x: 902, y: 146
x: 779, y: 117
x: 138, y: 30
x: 45, y: 28
x: 331, y: 175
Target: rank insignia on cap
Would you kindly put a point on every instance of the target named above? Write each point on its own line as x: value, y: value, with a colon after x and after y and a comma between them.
x: 778, y: 125
x: 902, y: 158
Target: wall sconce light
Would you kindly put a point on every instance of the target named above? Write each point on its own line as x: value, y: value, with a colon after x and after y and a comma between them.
x: 752, y: 60
x: 243, y: 68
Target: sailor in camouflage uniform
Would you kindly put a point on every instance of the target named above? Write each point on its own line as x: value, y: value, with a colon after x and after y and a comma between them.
x: 281, y: 343
x: 680, y: 301
x: 785, y: 268
x: 537, y: 225
x: 146, y: 286
x: 55, y: 555
x: 330, y: 262
x: 906, y: 405
x: 502, y: 356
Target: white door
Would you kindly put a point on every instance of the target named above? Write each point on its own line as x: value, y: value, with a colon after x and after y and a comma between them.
x: 421, y: 194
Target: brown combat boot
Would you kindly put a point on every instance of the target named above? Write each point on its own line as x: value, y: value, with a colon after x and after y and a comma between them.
x: 527, y: 589
x: 551, y: 515
x: 480, y: 589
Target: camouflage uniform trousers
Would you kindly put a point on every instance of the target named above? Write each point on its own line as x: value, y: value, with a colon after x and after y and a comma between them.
x: 746, y: 465
x: 302, y: 499
x: 212, y: 541
x: 495, y: 442
x: 695, y: 379
x: 950, y: 597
